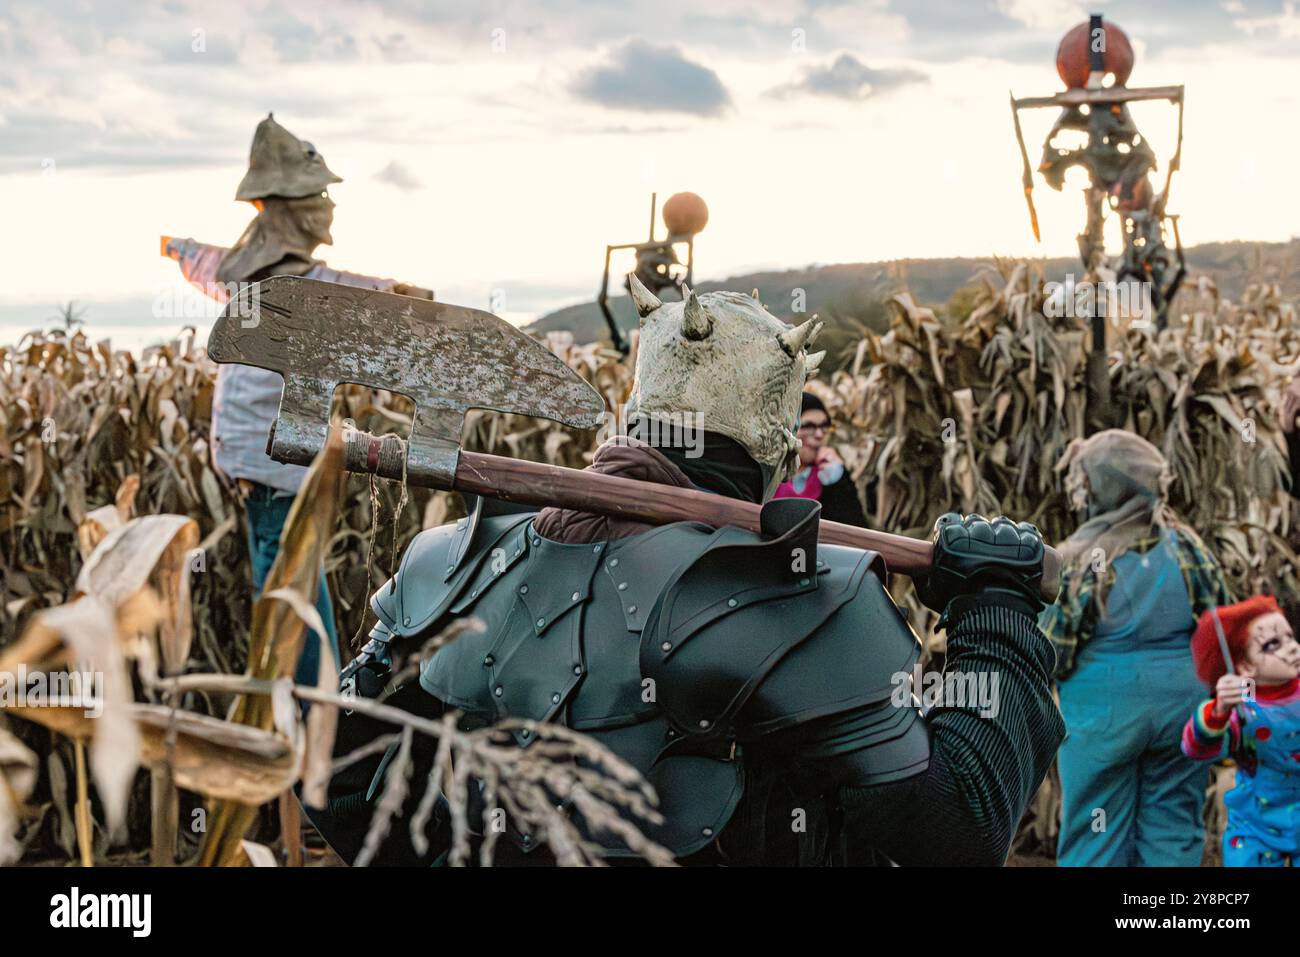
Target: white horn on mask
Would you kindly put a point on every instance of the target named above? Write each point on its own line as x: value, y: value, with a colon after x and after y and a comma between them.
x: 812, y: 362
x: 696, y: 323
x: 796, y: 339
x: 645, y: 301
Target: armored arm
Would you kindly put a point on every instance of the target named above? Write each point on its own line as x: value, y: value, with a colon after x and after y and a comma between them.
x: 986, y: 762
x: 439, y: 566
x: 994, y: 729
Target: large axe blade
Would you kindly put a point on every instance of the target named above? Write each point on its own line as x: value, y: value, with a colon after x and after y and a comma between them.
x: 447, y: 359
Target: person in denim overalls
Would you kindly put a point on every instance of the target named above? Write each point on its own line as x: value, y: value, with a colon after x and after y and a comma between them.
x: 1136, y: 578
x: 1254, y: 716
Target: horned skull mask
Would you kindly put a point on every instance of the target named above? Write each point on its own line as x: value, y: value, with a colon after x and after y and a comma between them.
x: 724, y: 362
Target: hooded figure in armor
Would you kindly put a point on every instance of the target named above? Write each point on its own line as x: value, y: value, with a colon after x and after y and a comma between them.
x: 780, y: 726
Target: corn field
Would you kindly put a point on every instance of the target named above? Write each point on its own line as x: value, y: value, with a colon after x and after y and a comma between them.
x: 968, y: 412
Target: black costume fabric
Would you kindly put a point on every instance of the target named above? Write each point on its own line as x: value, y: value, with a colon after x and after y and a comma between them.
x: 1293, y: 452
x: 963, y: 810
x: 712, y: 461
x: 840, y: 503
x: 984, y: 770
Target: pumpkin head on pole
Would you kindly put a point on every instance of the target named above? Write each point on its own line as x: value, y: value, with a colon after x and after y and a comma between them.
x: 659, y: 266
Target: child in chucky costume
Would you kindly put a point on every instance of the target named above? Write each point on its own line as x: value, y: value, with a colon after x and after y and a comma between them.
x: 1255, y: 715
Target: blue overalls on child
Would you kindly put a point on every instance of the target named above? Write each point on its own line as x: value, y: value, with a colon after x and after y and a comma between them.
x: 1264, y: 807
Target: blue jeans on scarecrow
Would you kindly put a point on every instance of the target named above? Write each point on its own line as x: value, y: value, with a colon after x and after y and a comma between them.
x: 1129, y: 796
x: 267, y: 510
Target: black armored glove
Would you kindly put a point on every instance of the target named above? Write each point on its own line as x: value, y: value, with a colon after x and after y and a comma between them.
x: 366, y: 675
x: 980, y: 562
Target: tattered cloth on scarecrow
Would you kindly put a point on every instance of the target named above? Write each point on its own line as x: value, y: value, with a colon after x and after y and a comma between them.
x: 1121, y: 482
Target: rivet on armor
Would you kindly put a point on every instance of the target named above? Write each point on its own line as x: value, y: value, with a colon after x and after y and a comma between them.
x: 523, y: 733
x: 406, y: 620
x: 596, y: 549
x: 474, y: 593
x: 523, y: 589
x: 731, y: 603
x: 667, y: 646
x: 707, y: 832
x: 527, y: 839
x: 498, y: 691
x: 540, y: 622
x: 803, y: 581
x: 704, y: 723
x: 622, y: 586
x: 555, y: 698
x: 576, y: 596
x: 613, y: 563
x: 631, y: 609
x: 577, y: 669
x: 488, y: 661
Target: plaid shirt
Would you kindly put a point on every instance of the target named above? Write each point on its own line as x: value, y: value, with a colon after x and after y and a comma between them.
x: 1069, y: 624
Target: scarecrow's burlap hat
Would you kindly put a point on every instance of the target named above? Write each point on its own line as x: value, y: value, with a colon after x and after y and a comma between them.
x: 280, y: 164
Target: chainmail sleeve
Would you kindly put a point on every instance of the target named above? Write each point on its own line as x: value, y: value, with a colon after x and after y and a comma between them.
x: 984, y: 768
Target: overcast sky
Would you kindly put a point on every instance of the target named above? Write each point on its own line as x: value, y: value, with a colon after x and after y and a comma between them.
x: 500, y: 145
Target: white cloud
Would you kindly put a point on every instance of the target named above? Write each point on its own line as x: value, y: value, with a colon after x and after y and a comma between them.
x: 1049, y: 15
x: 395, y: 174
x: 1284, y: 26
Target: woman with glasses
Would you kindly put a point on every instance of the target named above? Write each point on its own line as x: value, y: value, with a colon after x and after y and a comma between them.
x: 821, y: 474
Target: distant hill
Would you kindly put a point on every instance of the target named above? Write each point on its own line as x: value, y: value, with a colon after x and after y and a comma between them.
x: 859, y: 289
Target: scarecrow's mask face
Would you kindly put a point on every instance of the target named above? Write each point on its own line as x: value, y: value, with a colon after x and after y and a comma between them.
x: 316, y: 213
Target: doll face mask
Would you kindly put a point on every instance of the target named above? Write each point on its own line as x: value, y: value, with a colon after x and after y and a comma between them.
x: 1273, y: 655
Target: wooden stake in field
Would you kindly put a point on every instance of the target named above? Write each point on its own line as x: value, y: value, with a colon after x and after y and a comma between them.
x: 278, y: 632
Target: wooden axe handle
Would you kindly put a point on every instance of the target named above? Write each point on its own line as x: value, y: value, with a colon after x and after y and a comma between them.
x: 531, y: 483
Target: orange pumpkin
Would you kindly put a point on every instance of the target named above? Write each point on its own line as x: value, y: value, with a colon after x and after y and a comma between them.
x: 1072, y: 60
x: 685, y: 214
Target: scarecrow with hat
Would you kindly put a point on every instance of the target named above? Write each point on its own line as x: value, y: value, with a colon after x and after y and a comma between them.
x: 1247, y: 653
x: 287, y: 183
